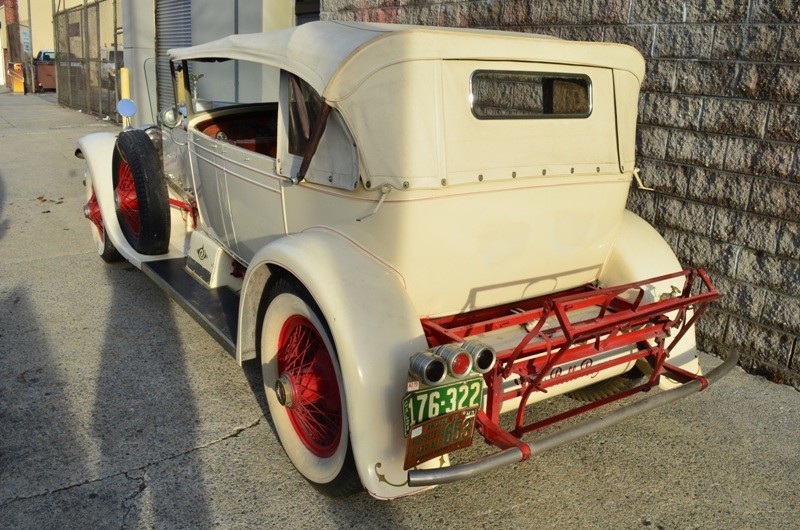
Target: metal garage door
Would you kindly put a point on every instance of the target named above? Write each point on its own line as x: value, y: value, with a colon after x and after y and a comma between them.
x: 173, y: 30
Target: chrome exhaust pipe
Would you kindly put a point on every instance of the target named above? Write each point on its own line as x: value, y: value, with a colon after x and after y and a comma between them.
x: 427, y: 368
x: 483, y: 356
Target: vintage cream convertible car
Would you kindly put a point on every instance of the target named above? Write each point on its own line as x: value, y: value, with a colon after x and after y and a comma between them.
x: 415, y: 230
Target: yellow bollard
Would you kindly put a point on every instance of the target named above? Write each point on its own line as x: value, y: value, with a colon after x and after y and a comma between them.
x: 124, y: 83
x: 17, y: 78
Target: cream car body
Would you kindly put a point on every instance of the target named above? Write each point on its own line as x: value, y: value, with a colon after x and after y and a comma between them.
x: 412, y: 207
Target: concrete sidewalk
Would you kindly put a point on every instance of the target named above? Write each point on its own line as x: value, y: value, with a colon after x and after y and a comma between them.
x: 117, y: 410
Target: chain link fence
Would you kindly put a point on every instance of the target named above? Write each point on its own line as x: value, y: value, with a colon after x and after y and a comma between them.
x: 88, y: 45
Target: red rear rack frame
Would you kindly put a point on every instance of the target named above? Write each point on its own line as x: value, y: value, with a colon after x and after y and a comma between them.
x: 620, y: 318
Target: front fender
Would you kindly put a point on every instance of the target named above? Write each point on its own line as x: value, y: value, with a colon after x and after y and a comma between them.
x: 640, y: 252
x: 98, y: 151
x: 375, y: 329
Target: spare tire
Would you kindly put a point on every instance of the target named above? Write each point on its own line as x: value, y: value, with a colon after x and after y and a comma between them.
x: 140, y: 193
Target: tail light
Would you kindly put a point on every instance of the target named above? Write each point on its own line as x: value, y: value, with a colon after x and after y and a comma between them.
x: 457, y: 359
x: 427, y: 368
x: 483, y: 355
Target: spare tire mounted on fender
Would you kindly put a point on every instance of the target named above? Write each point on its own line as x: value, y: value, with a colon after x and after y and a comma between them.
x: 140, y: 193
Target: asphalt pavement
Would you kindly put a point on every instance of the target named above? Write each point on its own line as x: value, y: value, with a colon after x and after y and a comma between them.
x: 118, y: 411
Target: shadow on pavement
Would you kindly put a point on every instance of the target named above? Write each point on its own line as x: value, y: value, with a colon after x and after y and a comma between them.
x: 145, y: 410
x: 39, y: 445
x: 4, y: 223
x: 255, y: 379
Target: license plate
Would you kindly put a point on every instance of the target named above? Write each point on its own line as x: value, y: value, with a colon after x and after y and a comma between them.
x: 422, y: 405
x: 443, y: 434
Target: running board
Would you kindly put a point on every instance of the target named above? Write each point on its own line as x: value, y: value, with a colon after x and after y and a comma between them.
x: 216, y: 310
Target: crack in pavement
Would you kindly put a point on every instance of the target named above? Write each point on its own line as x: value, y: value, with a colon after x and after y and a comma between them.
x: 132, y: 498
x: 128, y: 473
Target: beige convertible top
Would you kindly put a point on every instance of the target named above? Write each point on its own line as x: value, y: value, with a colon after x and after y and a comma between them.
x: 335, y: 57
x: 405, y: 94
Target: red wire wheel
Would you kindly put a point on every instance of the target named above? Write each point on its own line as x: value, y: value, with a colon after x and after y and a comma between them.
x: 127, y: 203
x: 93, y: 213
x: 316, y: 410
x: 105, y: 248
x: 305, y: 389
x: 140, y: 193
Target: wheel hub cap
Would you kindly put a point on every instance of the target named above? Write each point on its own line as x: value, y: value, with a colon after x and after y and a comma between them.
x: 283, y: 389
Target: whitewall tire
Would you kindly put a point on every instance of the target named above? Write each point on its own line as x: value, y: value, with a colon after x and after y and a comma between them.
x: 304, y: 389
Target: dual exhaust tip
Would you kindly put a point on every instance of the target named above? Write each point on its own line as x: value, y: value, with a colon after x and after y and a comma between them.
x: 433, y: 366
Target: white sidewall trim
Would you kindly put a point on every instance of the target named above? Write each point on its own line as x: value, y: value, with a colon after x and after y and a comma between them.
x: 315, y: 468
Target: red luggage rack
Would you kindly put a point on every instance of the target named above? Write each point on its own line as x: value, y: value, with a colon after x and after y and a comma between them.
x: 553, y: 339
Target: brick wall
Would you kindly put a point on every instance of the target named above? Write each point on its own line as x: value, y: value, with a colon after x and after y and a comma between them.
x: 719, y: 140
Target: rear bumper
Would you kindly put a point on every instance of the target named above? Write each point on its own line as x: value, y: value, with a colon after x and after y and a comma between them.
x: 429, y: 477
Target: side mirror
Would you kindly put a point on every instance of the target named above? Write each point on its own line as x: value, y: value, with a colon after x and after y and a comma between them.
x: 170, y: 117
x: 126, y: 109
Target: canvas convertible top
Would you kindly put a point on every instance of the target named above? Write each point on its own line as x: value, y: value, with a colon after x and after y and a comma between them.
x: 399, y: 88
x: 335, y: 57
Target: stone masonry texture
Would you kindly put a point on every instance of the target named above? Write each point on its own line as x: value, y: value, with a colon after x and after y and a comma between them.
x: 718, y: 139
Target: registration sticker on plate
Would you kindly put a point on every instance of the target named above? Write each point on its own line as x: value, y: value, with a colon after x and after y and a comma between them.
x: 422, y: 405
x: 440, y: 435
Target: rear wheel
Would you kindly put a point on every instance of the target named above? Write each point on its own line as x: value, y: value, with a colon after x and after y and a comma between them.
x: 105, y: 248
x: 140, y: 194
x: 304, y: 389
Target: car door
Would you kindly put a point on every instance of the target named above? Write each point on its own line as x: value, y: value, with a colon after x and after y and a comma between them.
x: 207, y: 157
x: 255, y: 194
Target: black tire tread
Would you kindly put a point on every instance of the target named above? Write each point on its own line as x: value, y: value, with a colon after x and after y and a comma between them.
x: 151, y: 191
x: 110, y: 253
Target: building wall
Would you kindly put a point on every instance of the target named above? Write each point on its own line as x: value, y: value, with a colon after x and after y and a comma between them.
x: 254, y: 83
x: 3, y: 46
x: 40, y: 19
x: 209, y: 20
x: 718, y: 139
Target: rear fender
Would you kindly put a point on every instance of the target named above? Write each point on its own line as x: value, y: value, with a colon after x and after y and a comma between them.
x: 98, y: 151
x: 375, y: 330
x: 641, y: 252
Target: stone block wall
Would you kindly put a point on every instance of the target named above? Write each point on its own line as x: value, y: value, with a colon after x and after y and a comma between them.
x: 718, y: 139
